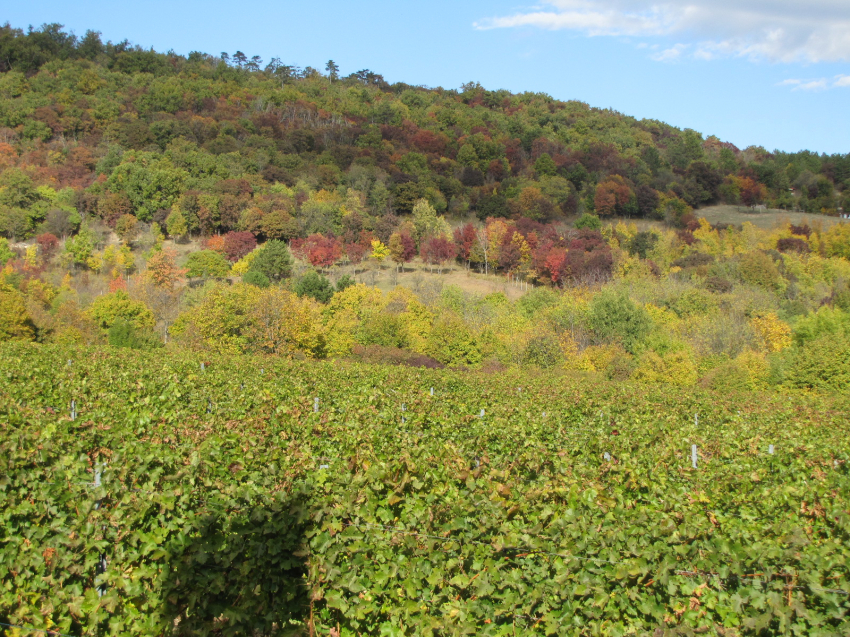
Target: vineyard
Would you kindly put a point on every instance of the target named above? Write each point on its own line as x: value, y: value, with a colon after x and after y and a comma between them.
x: 153, y: 494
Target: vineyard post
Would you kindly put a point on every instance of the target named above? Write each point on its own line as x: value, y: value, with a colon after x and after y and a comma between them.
x: 403, y: 419
x: 432, y: 391
x: 316, y: 405
x: 694, y: 456
x: 696, y: 420
x: 607, y: 456
x: 73, y: 410
x: 202, y: 366
x: 481, y: 415
x: 770, y: 449
x: 101, y: 562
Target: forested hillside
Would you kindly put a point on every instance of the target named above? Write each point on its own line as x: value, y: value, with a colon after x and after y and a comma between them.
x: 233, y: 143
x: 126, y: 173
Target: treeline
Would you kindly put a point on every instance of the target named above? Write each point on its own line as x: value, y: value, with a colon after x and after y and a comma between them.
x: 93, y: 131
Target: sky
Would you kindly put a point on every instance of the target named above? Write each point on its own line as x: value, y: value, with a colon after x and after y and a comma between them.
x: 771, y: 73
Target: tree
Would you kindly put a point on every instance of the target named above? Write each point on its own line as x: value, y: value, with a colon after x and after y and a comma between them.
x: 162, y: 270
x: 15, y: 321
x: 127, y: 228
x: 333, y: 70
x: 273, y: 260
x: 110, y: 308
x: 614, y: 317
x: 402, y: 248
x: 176, y: 224
x: 315, y: 286
x: 465, y: 238
x: 238, y: 244
x: 588, y: 221
x: 206, y: 263
x: 545, y: 165
x: 379, y: 251
x: 437, y: 251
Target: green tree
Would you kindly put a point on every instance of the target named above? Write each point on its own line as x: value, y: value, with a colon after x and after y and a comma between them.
x: 615, y: 318
x: 588, y: 221
x: 206, y: 263
x: 81, y: 246
x: 273, y: 260
x: 314, y: 285
x: 176, y: 224
x: 258, y: 279
x: 545, y: 165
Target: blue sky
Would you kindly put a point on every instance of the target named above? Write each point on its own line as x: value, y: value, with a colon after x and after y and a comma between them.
x: 773, y: 73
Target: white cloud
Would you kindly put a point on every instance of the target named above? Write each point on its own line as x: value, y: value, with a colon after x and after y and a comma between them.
x: 818, y: 84
x: 776, y: 30
x: 670, y: 55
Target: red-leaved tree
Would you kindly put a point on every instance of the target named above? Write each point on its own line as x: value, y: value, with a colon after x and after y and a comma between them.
x: 238, y: 244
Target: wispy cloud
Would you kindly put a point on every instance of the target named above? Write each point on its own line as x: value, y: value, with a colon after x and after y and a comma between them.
x: 670, y: 55
x: 818, y: 84
x: 776, y: 30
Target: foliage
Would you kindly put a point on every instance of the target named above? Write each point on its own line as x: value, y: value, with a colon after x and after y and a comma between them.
x: 15, y: 321
x: 116, y: 306
x: 256, y: 278
x: 588, y: 221
x: 273, y: 260
x: 520, y: 520
x: 614, y: 317
x: 315, y: 286
x: 206, y: 263
x: 124, y: 333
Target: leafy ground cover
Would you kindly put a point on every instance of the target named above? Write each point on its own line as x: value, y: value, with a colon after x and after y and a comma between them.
x: 145, y: 494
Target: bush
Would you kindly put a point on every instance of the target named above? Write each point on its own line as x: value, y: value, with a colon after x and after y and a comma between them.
x: 206, y: 263
x: 344, y: 282
x: 381, y: 355
x: 124, y: 334
x: 821, y: 364
x: 258, y: 279
x: 544, y: 351
x: 588, y: 221
x: 315, y: 286
x: 642, y: 243
x: 615, y: 318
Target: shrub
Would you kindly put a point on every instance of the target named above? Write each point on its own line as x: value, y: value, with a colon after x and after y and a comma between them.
x: 642, y: 243
x: 344, y: 282
x: 206, y: 263
x: 314, y: 285
x: 615, y: 318
x: 821, y: 364
x: 379, y: 354
x: 260, y: 280
x: 588, y: 221
x: 757, y: 268
x: 124, y: 334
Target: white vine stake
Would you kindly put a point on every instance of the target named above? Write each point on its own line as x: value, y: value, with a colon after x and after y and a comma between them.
x: 694, y: 456
x: 432, y: 391
x: 607, y: 456
x: 770, y: 449
x: 696, y: 420
x: 481, y: 415
x: 73, y: 410
x: 315, y: 405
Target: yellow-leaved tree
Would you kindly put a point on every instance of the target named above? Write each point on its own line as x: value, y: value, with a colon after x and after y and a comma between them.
x: 15, y: 321
x: 773, y: 334
x: 282, y: 323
